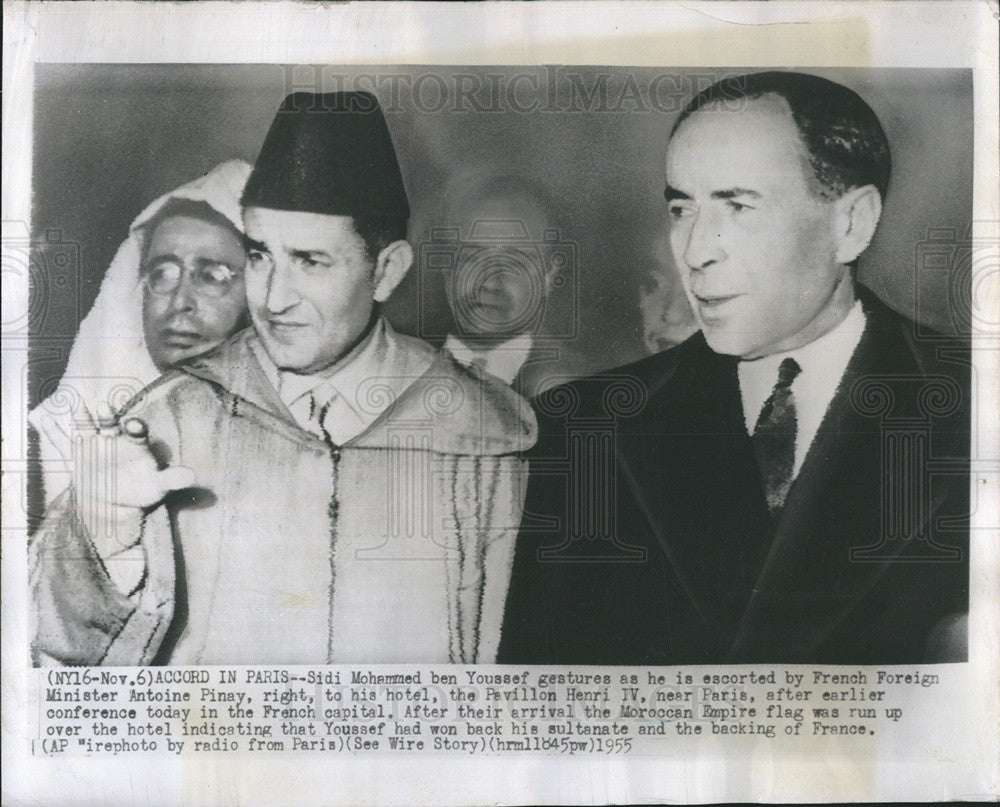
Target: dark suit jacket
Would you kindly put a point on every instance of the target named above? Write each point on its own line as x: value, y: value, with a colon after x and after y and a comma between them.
x: 646, y: 538
x: 551, y: 362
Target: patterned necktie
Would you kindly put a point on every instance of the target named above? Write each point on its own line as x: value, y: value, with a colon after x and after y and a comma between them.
x: 774, y: 438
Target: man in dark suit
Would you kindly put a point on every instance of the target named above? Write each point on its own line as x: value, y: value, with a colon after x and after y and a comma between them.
x: 790, y: 484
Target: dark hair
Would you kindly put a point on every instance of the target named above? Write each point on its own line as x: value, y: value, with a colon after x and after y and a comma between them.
x: 190, y: 208
x: 845, y: 142
x: 378, y: 232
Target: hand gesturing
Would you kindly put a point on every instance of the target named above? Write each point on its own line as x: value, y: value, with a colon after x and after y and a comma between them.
x: 116, y: 476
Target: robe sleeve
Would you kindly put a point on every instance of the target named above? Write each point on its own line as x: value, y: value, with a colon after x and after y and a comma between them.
x: 81, y: 616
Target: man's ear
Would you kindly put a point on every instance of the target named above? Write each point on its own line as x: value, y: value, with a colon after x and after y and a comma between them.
x: 390, y: 268
x: 858, y: 213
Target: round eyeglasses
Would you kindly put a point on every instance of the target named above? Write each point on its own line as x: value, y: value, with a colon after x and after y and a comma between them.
x: 208, y: 278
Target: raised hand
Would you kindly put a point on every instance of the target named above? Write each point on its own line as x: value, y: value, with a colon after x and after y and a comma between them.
x: 116, y: 477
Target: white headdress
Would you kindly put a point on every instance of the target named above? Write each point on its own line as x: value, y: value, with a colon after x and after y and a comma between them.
x: 109, y: 361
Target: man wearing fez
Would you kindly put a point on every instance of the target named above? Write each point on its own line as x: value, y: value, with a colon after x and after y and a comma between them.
x: 768, y: 494
x: 323, y: 489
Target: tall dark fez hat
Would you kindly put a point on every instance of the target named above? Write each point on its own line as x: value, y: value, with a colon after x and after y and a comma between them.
x: 328, y: 153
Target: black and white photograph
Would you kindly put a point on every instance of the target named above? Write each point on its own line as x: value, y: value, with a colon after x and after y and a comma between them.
x: 327, y: 392
x: 476, y: 408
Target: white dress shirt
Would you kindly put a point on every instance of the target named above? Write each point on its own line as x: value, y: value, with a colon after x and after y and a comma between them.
x: 356, y: 390
x: 823, y: 362
x: 504, y: 360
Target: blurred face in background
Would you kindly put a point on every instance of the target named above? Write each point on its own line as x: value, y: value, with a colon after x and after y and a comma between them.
x: 667, y: 319
x: 500, y: 279
x: 194, y: 296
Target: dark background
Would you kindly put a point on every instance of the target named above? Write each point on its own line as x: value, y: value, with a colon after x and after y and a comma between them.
x: 110, y: 138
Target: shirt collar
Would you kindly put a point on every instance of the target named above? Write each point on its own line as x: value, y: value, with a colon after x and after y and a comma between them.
x: 503, y: 360
x: 823, y: 362
x: 377, y: 360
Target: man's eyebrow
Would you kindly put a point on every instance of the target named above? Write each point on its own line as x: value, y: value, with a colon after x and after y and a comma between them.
x: 670, y: 193
x: 201, y: 263
x: 309, y: 253
x: 249, y: 243
x: 159, y: 257
x: 732, y: 193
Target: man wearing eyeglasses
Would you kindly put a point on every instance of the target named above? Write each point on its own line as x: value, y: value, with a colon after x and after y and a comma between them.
x: 192, y: 271
x: 319, y: 489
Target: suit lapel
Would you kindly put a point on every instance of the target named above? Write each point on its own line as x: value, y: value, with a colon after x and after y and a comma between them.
x: 530, y: 377
x: 687, y: 461
x: 546, y: 366
x: 808, y: 583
